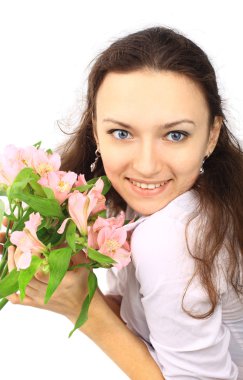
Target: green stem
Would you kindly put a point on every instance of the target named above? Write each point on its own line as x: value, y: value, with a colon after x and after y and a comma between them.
x: 3, y: 303
x: 20, y: 210
x: 5, y: 271
x: 3, y: 262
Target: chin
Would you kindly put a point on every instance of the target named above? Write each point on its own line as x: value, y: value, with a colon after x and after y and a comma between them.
x: 146, y: 211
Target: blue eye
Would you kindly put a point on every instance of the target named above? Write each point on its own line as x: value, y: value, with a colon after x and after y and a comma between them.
x: 176, y: 136
x: 120, y: 134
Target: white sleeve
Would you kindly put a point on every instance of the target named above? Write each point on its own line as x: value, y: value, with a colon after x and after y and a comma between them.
x: 116, y: 280
x: 185, y: 348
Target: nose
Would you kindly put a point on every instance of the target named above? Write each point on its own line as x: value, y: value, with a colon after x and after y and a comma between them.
x: 147, y: 160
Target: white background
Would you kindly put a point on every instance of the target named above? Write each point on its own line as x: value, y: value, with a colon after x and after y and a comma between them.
x: 46, y: 47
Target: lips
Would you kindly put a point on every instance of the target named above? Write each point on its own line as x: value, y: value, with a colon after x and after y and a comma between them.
x: 147, y: 189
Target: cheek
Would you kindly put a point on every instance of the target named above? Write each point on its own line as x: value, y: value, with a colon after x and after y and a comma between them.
x: 113, y: 163
x: 186, y: 166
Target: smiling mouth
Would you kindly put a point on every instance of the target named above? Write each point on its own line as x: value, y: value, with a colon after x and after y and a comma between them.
x: 149, y: 186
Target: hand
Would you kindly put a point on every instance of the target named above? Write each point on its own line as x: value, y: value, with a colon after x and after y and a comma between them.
x: 67, y: 298
x: 3, y: 235
x: 2, y: 241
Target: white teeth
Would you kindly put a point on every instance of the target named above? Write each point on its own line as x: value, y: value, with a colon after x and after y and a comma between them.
x: 143, y: 186
x: 150, y: 186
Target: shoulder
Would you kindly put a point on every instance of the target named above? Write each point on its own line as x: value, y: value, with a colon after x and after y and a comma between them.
x: 158, y: 243
x: 166, y: 225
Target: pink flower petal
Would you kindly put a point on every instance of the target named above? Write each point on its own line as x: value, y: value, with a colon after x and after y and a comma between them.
x: 24, y: 260
x: 63, y: 226
x: 81, y: 180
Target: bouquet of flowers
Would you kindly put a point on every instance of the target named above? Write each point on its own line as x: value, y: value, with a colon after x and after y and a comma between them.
x: 51, y: 216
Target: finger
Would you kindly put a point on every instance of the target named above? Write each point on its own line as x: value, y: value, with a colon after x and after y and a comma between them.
x: 31, y: 292
x: 42, y: 276
x: 37, y: 284
x: 2, y: 237
x: 2, y: 240
x: 11, y: 262
x: 5, y: 222
x: 79, y: 258
x: 15, y: 299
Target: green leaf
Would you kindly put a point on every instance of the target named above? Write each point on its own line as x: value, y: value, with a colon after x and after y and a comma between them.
x: 107, y: 183
x: 9, y: 284
x: 1, y: 212
x: 38, y: 144
x: 26, y: 275
x: 88, y: 266
x: 99, y: 257
x: 71, y: 235
x: 38, y: 189
x: 83, y: 188
x: 49, y: 235
x: 48, y: 192
x: 91, y: 183
x: 25, y: 176
x: 58, y: 261
x: 3, y: 302
x: 46, y: 207
x: 83, y: 316
x: 19, y: 224
x: 102, y: 214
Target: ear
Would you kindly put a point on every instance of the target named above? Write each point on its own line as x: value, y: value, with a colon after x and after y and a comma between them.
x: 214, y: 134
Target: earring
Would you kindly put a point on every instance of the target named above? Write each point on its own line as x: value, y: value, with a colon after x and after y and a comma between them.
x: 201, y: 171
x: 94, y: 164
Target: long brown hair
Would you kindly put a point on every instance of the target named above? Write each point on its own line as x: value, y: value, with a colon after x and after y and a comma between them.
x: 220, y: 188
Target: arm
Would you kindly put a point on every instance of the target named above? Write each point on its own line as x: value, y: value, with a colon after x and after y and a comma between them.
x: 105, y: 328
x: 114, y: 303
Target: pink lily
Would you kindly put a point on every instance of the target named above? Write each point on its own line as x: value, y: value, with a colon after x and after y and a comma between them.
x: 82, y: 205
x: 60, y: 182
x: 27, y: 242
x: 96, y: 193
x: 112, y: 242
x: 113, y: 222
x: 10, y: 164
x: 92, y: 238
x: 41, y: 161
x: 80, y: 181
x: 116, y: 222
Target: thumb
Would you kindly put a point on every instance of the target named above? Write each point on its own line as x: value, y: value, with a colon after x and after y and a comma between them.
x: 11, y: 261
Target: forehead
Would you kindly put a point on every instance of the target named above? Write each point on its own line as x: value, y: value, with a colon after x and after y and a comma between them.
x: 148, y: 94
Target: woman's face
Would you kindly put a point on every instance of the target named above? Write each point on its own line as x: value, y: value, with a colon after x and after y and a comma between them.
x: 152, y: 132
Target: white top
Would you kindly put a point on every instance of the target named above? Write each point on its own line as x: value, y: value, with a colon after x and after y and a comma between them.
x: 152, y: 287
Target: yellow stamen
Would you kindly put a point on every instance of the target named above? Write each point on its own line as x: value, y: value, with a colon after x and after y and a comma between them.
x: 63, y: 186
x: 44, y: 168
x: 112, y: 246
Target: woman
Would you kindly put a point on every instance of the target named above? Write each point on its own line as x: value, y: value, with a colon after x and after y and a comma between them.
x: 155, y: 117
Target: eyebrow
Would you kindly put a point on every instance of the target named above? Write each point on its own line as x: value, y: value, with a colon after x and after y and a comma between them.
x: 166, y: 125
